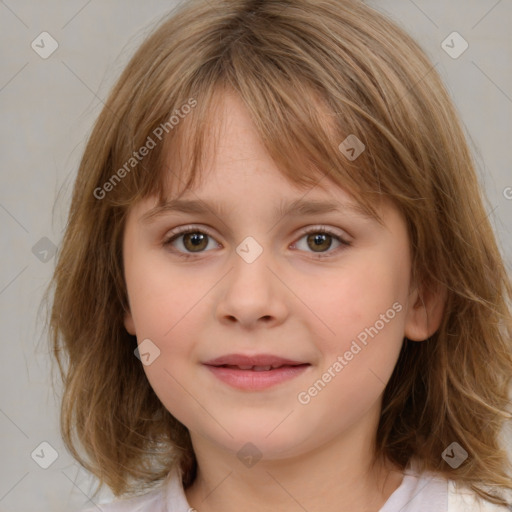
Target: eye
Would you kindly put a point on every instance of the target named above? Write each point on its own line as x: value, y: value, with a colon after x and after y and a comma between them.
x: 189, y: 240
x: 320, y: 240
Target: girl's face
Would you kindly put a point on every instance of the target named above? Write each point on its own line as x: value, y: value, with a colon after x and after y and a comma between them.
x: 324, y: 289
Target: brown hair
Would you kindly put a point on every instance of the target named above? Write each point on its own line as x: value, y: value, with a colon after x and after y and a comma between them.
x: 310, y: 73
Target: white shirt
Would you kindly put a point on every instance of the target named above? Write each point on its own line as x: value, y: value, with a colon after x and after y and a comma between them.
x: 426, y: 492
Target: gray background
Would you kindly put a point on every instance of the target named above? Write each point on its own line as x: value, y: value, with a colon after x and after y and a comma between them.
x: 48, y: 107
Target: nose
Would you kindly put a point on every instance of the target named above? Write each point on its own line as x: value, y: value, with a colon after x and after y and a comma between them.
x: 251, y: 294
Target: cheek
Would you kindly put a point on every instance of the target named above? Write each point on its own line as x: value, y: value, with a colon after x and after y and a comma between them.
x: 160, y: 295
x: 365, y: 311
x: 163, y: 306
x: 173, y: 374
x: 355, y: 300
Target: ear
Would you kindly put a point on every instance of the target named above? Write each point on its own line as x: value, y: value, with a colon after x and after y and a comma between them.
x: 128, y: 323
x: 425, y: 312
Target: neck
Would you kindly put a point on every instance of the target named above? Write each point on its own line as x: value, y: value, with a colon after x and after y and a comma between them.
x: 338, y: 476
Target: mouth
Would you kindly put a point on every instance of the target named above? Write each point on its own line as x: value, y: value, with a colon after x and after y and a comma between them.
x: 255, y: 373
x: 257, y: 362
x: 264, y: 368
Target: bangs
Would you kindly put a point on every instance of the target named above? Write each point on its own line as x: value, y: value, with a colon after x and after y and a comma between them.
x: 303, y: 142
x: 298, y: 123
x: 325, y: 106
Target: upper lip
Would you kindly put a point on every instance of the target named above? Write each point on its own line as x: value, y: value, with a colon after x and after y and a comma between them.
x: 255, y: 360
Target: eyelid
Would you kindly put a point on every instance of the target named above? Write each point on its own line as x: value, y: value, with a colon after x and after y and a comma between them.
x: 343, y: 239
x: 322, y: 228
x: 190, y: 228
x: 302, y: 232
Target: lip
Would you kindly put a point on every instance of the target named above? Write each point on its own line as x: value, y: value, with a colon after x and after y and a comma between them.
x: 254, y: 360
x: 224, y: 368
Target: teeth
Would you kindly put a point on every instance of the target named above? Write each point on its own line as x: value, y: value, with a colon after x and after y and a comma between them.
x: 253, y: 368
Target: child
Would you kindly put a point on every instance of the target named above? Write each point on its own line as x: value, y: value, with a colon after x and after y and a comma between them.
x: 278, y: 288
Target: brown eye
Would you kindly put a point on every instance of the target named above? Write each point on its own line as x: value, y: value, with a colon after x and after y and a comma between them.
x: 195, y: 241
x: 190, y: 241
x: 319, y: 242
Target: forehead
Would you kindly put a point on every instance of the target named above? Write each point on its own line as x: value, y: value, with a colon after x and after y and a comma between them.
x: 234, y: 147
x: 233, y: 151
x: 278, y: 198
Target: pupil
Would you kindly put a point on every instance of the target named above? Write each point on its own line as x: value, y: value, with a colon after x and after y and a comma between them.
x: 195, y: 239
x: 320, y: 241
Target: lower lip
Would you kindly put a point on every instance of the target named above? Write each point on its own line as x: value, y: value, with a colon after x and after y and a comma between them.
x: 251, y: 380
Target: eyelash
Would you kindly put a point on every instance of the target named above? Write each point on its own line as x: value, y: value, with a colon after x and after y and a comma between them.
x: 191, y: 229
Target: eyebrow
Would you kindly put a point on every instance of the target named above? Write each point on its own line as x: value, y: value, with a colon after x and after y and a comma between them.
x: 294, y: 208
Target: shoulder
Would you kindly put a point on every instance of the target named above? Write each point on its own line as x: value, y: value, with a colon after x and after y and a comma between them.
x: 464, y: 499
x: 152, y: 501
x: 169, y: 496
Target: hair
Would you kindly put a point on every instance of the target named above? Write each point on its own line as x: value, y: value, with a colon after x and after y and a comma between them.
x: 310, y: 73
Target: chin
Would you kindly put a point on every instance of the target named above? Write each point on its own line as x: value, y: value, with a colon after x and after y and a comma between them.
x: 269, y: 440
